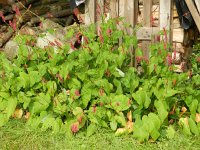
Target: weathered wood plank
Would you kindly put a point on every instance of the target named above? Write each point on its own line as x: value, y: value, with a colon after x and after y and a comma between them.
x: 166, y: 17
x: 194, y: 12
x: 147, y: 15
x: 114, y: 8
x: 197, y: 2
x: 90, y: 12
x: 127, y: 9
x: 146, y: 33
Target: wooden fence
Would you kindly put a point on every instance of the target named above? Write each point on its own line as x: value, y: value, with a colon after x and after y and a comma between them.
x: 129, y: 10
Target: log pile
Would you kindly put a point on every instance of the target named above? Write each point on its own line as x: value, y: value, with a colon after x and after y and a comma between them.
x: 31, y: 13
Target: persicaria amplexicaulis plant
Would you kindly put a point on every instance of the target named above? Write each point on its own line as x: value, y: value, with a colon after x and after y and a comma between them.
x: 94, y: 86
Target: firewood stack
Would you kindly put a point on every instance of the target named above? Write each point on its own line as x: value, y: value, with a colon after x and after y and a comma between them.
x: 30, y: 13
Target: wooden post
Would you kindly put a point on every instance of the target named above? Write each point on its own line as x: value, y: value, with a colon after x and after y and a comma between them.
x: 166, y: 10
x: 114, y: 8
x: 194, y: 12
x: 197, y: 2
x: 147, y: 15
x: 90, y: 12
x: 128, y: 9
x: 99, y: 13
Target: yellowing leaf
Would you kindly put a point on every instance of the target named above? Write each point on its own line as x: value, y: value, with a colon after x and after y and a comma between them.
x: 129, y: 126
x: 197, y: 118
x: 184, y: 109
x: 186, y: 121
x: 18, y: 113
x: 27, y: 116
x: 121, y: 131
x: 129, y: 116
x: 183, y: 122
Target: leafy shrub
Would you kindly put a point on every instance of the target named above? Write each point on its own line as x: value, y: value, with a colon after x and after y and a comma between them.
x: 95, y: 86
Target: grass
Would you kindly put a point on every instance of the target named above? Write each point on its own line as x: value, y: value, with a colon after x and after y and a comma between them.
x: 15, y: 135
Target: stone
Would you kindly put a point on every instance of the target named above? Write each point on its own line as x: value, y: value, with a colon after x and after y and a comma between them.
x: 49, y: 40
x: 11, y: 49
x: 27, y: 31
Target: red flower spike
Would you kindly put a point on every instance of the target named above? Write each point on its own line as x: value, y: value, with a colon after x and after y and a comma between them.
x: 58, y: 43
x: 72, y: 46
x: 16, y: 9
x: 198, y: 59
x: 14, y: 26
x: 109, y: 32
x: 85, y: 40
x: 101, y: 38
x: 94, y: 109
x: 174, y: 55
x: 2, y: 16
x: 77, y: 93
x: 80, y: 119
x: 59, y: 77
x: 174, y: 82
x: 75, y: 127
x: 169, y: 59
x: 10, y: 23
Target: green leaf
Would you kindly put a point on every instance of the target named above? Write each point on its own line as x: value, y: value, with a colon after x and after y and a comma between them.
x: 121, y: 131
x: 52, y: 87
x: 86, y: 95
x: 91, y: 129
x: 193, y: 126
x: 12, y: 103
x: 113, y: 125
x: 74, y: 83
x: 119, y: 102
x: 184, y: 125
x: 24, y: 99
x: 117, y: 83
x: 155, y: 134
x: 170, y: 132
x: 155, y: 119
x: 140, y: 134
x: 34, y: 77
x: 162, y: 111
x: 193, y: 106
x: 41, y: 103
x: 142, y: 98
x: 170, y: 92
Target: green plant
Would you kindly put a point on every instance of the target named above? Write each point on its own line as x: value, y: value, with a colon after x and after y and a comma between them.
x: 95, y: 86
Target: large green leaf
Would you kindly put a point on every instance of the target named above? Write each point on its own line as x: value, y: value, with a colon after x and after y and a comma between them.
x: 193, y: 126
x: 142, y: 98
x: 41, y: 103
x: 162, y: 111
x: 119, y: 102
x: 91, y: 129
x: 170, y: 132
x: 193, y: 106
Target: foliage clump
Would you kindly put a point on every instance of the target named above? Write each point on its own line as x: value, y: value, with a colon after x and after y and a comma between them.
x: 96, y: 86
